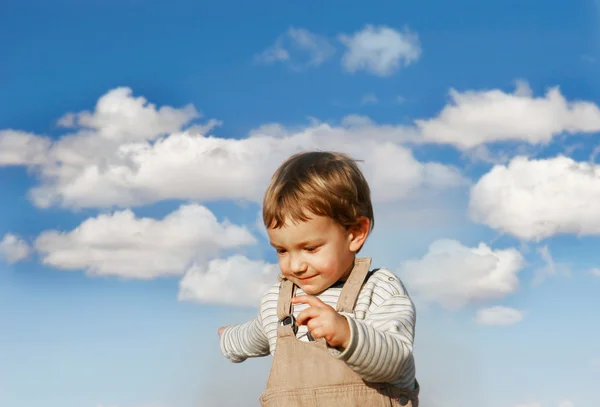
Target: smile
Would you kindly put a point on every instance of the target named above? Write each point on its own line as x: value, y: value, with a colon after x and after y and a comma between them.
x: 306, y: 278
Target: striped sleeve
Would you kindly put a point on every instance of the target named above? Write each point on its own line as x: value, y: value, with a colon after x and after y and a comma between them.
x: 240, y: 342
x: 381, y: 345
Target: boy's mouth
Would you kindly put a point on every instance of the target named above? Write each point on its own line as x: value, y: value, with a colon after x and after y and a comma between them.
x: 306, y: 278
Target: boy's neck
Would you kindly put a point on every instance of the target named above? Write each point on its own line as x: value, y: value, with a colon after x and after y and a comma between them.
x: 348, y: 272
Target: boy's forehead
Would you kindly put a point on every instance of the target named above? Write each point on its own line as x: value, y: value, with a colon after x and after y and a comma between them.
x: 313, y: 228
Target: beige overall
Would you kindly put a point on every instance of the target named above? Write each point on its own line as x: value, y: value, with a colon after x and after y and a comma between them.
x: 304, y: 374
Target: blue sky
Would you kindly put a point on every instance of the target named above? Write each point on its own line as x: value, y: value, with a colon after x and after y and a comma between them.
x: 136, y: 139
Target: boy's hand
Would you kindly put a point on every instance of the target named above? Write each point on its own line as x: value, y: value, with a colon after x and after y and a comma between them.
x: 323, y: 321
x: 221, y: 329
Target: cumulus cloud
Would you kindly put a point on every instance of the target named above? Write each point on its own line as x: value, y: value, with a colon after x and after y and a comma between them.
x: 236, y: 280
x: 473, y: 118
x: 103, y: 167
x: 380, y: 50
x: 536, y: 199
x: 13, y: 248
x: 121, y: 117
x: 121, y: 244
x: 453, y: 275
x: 499, y: 316
x: 299, y: 48
x: 118, y: 122
x: 21, y: 148
x: 369, y: 99
x: 129, y: 152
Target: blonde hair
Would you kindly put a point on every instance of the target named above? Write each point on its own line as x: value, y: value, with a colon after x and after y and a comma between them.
x: 321, y: 183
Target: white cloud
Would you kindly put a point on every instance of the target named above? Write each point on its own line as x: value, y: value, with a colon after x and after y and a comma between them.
x: 299, y: 48
x: 550, y: 269
x: 20, y: 148
x: 380, y: 50
x: 101, y: 167
x: 121, y: 117
x: 537, y: 199
x: 499, y: 316
x: 129, y: 152
x: 453, y: 275
x: 120, y: 244
x: 234, y: 281
x: 369, y: 99
x: 13, y: 248
x: 566, y: 403
x: 476, y: 117
x: 595, y: 271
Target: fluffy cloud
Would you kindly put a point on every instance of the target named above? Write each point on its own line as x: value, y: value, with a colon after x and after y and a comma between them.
x: 102, y: 167
x: 537, y: 199
x: 454, y: 275
x: 13, y: 248
x: 380, y: 50
x: 118, y: 122
x: 123, y: 245
x: 299, y: 48
x: 20, y: 148
x: 129, y: 152
x: 121, y: 117
x: 476, y: 117
x: 499, y: 316
x: 234, y: 281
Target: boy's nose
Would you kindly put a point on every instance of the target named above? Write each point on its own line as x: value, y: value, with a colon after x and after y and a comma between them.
x: 297, y: 265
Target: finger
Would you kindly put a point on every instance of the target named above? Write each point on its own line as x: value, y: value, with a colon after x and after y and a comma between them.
x: 307, y: 315
x: 313, y: 324
x: 308, y: 299
x: 317, y: 333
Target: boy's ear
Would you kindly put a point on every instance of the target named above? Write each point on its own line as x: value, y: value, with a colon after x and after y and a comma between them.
x: 358, y: 233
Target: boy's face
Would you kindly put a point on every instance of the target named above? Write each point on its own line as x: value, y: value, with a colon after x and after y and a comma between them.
x: 317, y: 253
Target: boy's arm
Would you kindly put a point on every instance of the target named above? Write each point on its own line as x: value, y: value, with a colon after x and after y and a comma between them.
x: 240, y: 342
x: 380, y: 347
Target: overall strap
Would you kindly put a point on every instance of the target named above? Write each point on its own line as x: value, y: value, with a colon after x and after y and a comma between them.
x: 284, y: 302
x: 352, y: 286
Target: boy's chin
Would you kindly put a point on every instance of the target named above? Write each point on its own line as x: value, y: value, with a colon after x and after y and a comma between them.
x: 311, y: 289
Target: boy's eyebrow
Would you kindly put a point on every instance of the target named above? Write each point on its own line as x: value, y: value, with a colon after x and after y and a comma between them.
x: 309, y: 242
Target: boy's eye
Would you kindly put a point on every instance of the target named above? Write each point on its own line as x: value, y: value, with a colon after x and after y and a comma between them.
x: 280, y: 251
x: 310, y: 249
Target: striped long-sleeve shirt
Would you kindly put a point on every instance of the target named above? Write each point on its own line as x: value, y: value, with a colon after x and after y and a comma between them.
x: 382, y: 330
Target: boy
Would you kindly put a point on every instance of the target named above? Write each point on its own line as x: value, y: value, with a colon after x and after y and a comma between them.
x: 341, y: 335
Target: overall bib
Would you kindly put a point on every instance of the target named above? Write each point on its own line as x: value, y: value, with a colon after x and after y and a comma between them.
x: 304, y: 374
